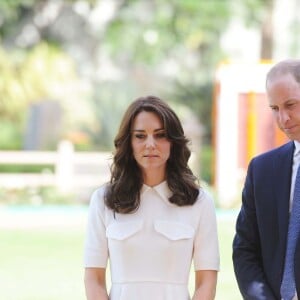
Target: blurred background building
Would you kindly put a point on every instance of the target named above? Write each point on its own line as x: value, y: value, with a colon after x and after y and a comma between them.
x: 90, y: 58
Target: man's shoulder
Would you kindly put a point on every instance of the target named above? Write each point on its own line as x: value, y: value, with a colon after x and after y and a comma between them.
x: 284, y: 149
x: 271, y: 162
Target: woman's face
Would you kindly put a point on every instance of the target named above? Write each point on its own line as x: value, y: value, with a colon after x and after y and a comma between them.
x: 151, y: 148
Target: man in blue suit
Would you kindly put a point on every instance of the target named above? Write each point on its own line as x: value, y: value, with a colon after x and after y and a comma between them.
x: 260, y: 242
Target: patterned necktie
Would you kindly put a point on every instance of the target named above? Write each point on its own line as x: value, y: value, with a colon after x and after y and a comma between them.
x: 288, y: 288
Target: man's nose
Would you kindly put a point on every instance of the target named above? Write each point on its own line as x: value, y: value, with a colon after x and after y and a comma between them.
x: 283, y: 116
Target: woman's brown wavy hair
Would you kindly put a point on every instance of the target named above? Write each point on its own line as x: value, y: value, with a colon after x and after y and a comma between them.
x: 123, y: 192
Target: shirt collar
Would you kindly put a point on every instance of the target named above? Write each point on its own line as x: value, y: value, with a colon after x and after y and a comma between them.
x: 297, y: 148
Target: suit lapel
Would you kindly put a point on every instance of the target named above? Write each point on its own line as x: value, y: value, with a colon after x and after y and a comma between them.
x: 297, y: 267
x: 282, y: 183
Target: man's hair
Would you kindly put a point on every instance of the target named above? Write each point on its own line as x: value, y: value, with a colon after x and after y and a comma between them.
x: 284, y: 67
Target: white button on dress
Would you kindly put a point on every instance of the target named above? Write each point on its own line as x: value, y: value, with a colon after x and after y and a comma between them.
x: 151, y: 250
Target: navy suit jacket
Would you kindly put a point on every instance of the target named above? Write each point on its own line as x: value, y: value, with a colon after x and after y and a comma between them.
x: 259, y: 245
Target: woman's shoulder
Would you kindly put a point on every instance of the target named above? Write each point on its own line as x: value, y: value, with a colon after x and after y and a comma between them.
x: 204, y: 197
x: 204, y: 207
x: 100, y: 191
x: 97, y: 197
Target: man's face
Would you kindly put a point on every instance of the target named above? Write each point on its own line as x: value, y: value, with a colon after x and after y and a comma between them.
x: 284, y: 99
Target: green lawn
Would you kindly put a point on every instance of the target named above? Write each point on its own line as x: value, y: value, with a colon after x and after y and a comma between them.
x: 41, y: 265
x: 46, y: 263
x: 227, y: 287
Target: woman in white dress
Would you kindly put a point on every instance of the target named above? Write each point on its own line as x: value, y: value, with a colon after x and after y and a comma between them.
x: 152, y: 219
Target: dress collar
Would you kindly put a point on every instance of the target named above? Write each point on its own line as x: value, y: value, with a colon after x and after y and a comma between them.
x: 162, y: 189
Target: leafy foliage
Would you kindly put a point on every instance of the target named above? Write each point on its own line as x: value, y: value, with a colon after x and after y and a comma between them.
x: 28, y: 77
x: 122, y: 49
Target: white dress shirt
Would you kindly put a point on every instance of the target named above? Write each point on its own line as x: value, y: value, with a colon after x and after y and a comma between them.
x: 296, y: 162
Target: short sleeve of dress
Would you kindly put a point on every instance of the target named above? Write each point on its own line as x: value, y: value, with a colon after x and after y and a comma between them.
x: 206, y: 246
x: 95, y: 248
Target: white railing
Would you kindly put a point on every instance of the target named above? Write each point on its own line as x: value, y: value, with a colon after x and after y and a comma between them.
x: 71, y: 169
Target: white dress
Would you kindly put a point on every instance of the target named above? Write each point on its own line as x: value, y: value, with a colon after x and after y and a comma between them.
x: 151, y: 250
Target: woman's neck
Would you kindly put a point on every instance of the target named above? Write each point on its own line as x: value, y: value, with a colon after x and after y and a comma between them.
x: 154, y: 178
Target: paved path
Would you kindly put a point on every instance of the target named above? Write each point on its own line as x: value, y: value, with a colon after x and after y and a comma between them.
x: 42, y: 217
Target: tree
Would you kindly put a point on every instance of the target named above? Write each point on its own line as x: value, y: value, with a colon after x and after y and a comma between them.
x: 125, y: 48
